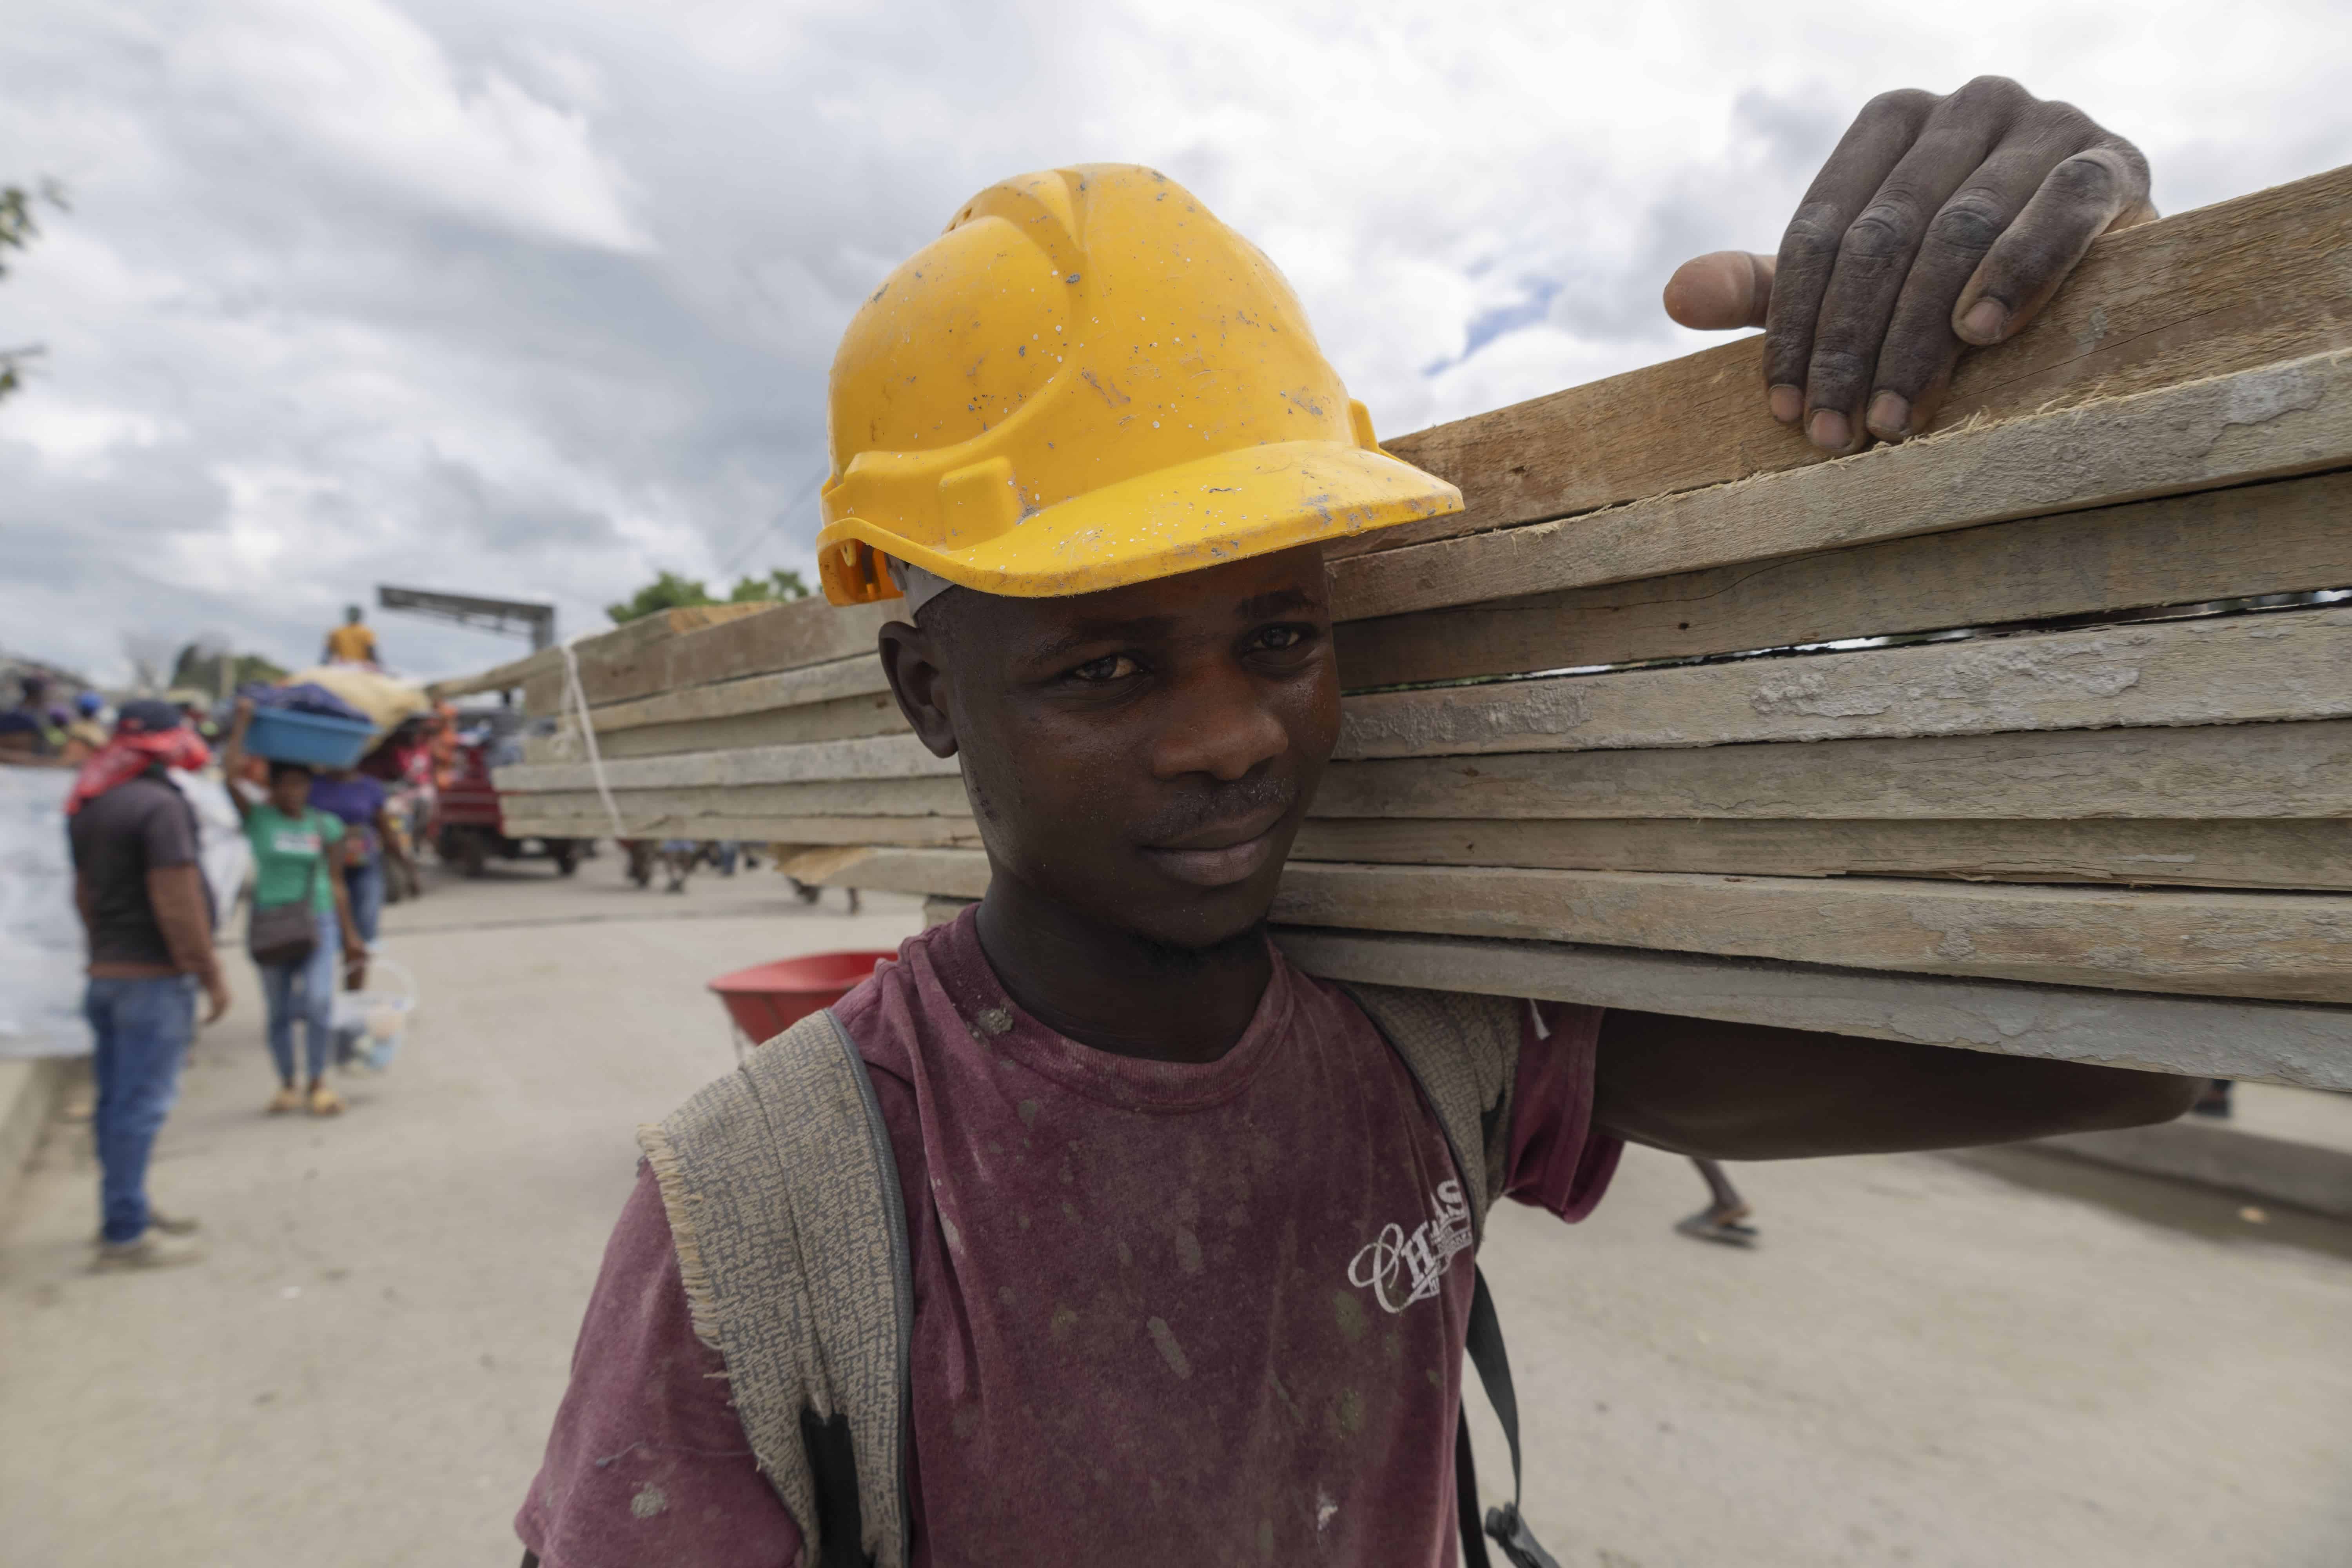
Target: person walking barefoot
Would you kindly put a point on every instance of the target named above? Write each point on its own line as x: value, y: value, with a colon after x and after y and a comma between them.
x: 297, y: 864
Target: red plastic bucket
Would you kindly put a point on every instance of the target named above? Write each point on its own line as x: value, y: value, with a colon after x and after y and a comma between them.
x: 769, y: 998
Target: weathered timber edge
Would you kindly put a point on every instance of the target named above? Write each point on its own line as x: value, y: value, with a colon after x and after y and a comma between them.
x: 2305, y: 1046
x: 2265, y: 423
x: 2309, y: 1046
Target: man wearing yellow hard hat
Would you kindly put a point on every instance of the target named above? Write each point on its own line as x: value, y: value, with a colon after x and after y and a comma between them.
x: 1090, y: 1230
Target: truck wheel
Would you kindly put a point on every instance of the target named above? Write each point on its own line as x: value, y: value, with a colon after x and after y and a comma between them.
x: 473, y: 855
x: 566, y: 856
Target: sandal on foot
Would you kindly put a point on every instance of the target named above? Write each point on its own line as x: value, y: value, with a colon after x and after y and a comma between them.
x: 1704, y: 1226
x: 325, y: 1101
x: 285, y: 1100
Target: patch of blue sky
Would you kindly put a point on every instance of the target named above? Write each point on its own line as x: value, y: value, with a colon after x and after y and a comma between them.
x: 1527, y: 310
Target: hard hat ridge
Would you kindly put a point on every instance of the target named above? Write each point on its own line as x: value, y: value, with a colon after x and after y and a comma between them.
x: 1089, y: 381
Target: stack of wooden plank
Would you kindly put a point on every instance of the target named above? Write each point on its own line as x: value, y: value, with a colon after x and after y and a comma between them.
x: 2033, y: 735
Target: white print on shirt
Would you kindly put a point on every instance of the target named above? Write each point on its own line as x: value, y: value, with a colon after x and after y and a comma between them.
x: 302, y: 844
x: 1415, y: 1264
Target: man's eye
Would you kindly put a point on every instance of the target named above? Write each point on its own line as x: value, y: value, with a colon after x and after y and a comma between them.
x: 1110, y: 666
x: 1275, y: 639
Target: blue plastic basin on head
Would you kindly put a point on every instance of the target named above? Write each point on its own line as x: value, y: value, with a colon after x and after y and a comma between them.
x: 285, y: 735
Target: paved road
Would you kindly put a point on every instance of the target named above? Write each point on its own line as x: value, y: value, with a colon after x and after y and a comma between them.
x: 1991, y: 1362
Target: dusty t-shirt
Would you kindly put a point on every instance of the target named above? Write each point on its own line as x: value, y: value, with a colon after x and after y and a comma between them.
x: 1164, y: 1313
x: 290, y: 857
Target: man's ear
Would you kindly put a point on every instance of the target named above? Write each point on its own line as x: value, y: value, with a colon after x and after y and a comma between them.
x: 910, y: 659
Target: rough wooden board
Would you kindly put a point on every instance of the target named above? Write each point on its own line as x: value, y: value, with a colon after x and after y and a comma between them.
x: 2306, y: 855
x: 2258, y: 424
x: 2215, y: 670
x: 2219, y: 771
x: 2284, y: 947
x: 2228, y: 771
x: 879, y: 757
x: 2268, y: 1042
x: 788, y: 636
x: 857, y: 675
x: 2281, y: 947
x: 631, y: 635
x: 2284, y: 537
x: 498, y: 678
x: 2226, y: 854
x: 2242, y: 283
x: 842, y: 719
x: 870, y: 798
x: 948, y: 873
x: 2310, y: 1047
x: 926, y: 831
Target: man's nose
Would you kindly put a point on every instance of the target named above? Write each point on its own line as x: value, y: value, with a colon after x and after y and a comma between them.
x: 1221, y: 724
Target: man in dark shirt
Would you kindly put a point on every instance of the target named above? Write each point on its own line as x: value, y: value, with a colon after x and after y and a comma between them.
x: 144, y: 906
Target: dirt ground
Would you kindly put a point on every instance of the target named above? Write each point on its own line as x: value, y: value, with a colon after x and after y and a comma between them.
x: 1989, y: 1360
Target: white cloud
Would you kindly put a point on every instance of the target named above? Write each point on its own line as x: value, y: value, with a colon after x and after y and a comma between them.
x: 360, y: 81
x: 69, y: 435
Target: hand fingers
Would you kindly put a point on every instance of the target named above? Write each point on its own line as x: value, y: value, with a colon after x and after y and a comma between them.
x: 2081, y: 198
x: 1721, y: 290
x: 1919, y: 347
x: 1869, y: 149
x: 1876, y: 256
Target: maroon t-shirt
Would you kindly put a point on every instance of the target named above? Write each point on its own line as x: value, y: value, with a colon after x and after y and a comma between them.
x: 1164, y: 1313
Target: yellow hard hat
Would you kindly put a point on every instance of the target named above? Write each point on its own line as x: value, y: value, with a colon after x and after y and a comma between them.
x: 1089, y: 381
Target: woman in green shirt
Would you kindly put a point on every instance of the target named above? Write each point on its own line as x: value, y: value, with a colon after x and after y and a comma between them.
x: 294, y: 862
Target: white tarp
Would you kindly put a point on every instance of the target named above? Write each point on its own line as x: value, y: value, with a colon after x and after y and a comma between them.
x: 41, y: 949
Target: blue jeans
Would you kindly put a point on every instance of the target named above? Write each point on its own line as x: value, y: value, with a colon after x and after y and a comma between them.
x: 366, y: 885
x: 304, y: 990
x: 144, y: 1027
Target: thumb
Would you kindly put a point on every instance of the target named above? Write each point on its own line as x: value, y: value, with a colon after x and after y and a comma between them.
x: 1720, y: 290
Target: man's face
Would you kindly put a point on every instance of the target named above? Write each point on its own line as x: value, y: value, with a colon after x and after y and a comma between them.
x: 1142, y: 755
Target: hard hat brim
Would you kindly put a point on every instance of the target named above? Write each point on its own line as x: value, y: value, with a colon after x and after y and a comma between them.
x: 1229, y: 506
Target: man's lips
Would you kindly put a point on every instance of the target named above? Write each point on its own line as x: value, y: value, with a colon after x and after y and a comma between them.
x: 1221, y: 854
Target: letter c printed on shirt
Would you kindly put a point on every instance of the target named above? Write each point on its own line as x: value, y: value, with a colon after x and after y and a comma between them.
x: 1400, y: 1270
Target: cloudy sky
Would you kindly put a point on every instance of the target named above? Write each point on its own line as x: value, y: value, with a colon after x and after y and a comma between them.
x: 532, y: 298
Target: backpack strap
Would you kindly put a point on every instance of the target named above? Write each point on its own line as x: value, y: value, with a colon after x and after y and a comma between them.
x: 1464, y: 1051
x: 784, y: 1204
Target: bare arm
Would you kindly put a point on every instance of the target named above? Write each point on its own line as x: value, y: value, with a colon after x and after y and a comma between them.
x: 232, y: 756
x: 184, y: 909
x: 1748, y: 1091
x: 354, y: 950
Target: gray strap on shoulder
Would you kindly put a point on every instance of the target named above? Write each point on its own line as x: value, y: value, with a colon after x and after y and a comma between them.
x: 783, y: 1204
x: 1464, y: 1052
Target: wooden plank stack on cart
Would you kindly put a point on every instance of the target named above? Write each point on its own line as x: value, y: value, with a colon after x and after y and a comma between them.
x: 2033, y: 735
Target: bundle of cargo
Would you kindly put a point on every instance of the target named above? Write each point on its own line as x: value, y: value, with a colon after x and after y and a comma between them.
x: 2033, y: 735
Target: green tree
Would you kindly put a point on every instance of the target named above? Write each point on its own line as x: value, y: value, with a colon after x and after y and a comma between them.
x: 779, y: 585
x: 201, y: 667
x: 667, y: 592
x: 671, y: 592
x: 18, y: 228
